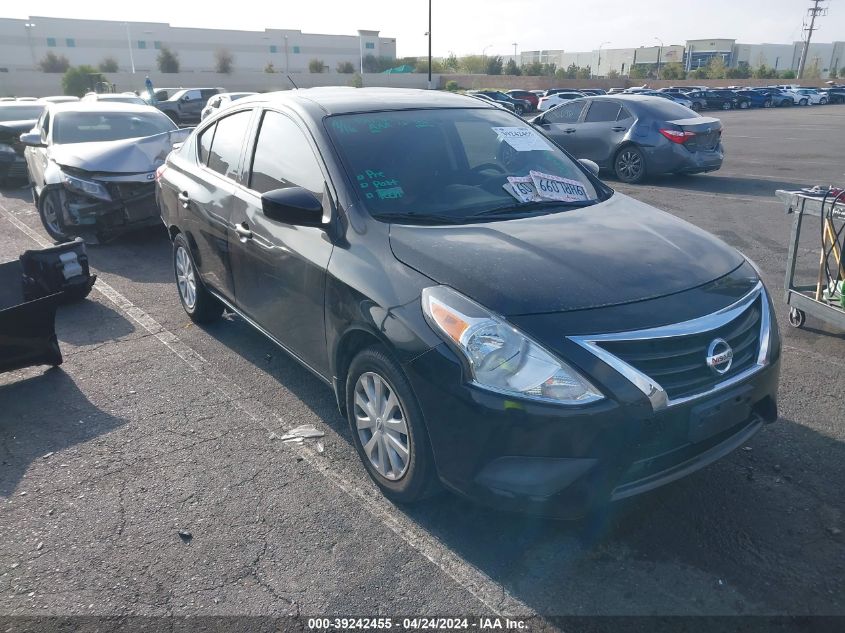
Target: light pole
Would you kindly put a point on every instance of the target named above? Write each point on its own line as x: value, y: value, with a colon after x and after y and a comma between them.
x: 28, y: 26
x: 129, y: 43
x: 514, y: 54
x: 659, y: 50
x: 429, y: 44
x: 287, y: 63
x: 598, y: 65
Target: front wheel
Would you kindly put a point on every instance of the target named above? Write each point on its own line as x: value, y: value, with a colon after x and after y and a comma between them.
x: 823, y: 101
x: 743, y: 105
x: 387, y: 427
x: 803, y: 102
x: 199, y: 303
x: 796, y: 317
x: 630, y: 165
x: 50, y: 212
x: 726, y: 105
x: 519, y: 110
x: 767, y: 103
x: 696, y: 106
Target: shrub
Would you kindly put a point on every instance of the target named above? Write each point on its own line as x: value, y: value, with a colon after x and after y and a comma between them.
x: 108, y: 65
x: 80, y: 79
x: 315, y: 65
x: 612, y: 74
x: 673, y: 70
x: 716, y: 69
x: 787, y: 74
x: 494, y: 65
x: 452, y: 85
x: 345, y: 68
x: 167, y: 60
x: 357, y: 81
x: 52, y: 63
x: 269, y: 68
x: 511, y: 68
x: 223, y: 61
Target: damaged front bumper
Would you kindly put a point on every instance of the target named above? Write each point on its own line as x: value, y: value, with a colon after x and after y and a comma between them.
x: 131, y: 205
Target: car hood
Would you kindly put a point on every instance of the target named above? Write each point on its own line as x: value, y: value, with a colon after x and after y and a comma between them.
x: 126, y: 156
x: 615, y: 252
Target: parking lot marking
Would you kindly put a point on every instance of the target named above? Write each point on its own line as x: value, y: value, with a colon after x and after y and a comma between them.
x: 490, y: 593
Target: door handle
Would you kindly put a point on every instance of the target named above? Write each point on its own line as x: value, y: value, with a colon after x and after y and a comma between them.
x: 243, y: 231
x: 184, y: 198
x: 619, y: 129
x: 570, y: 130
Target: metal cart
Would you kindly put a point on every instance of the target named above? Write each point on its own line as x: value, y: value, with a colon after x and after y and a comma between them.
x: 809, y: 299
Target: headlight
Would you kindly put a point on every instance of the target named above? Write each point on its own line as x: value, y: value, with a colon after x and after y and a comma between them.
x: 500, y: 357
x: 85, y: 187
x: 6, y: 149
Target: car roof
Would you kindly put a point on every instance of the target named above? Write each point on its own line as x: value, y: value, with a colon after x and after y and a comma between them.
x: 101, y: 106
x: 340, y: 100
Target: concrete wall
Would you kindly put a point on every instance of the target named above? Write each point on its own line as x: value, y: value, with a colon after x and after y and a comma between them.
x: 38, y: 84
x: 506, y: 82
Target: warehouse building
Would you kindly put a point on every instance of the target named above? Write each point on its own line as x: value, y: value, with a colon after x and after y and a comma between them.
x: 136, y: 45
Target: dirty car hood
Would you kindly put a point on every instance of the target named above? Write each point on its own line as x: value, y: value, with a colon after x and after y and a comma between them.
x: 618, y: 251
x: 126, y: 156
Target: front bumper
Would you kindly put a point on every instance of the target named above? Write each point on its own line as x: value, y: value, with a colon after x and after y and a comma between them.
x: 12, y: 167
x: 672, y: 158
x: 563, y: 461
x: 133, y: 206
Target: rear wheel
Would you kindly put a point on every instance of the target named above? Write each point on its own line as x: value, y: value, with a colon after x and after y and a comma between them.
x: 50, y: 211
x: 198, y: 302
x: 767, y: 103
x: 743, y: 105
x: 519, y: 109
x: 630, y: 165
x: 387, y: 427
x: 726, y: 105
x: 823, y: 101
x: 803, y: 102
x: 696, y: 106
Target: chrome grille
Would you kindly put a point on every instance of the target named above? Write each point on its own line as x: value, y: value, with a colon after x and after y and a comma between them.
x: 669, y: 364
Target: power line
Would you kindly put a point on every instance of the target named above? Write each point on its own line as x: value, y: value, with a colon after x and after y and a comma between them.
x: 813, y: 12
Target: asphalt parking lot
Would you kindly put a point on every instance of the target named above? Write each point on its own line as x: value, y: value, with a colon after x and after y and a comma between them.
x: 154, y: 425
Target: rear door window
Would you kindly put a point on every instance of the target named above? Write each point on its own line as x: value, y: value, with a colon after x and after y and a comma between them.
x: 228, y: 142
x: 602, y: 111
x: 204, y: 144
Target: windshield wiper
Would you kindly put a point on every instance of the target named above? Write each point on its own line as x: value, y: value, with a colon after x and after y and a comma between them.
x: 422, y: 218
x: 521, y: 207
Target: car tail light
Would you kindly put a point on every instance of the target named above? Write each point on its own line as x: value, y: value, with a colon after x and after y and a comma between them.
x: 678, y: 136
x: 160, y: 172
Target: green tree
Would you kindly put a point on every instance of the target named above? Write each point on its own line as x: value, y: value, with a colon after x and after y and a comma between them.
x: 472, y: 64
x: 52, y: 63
x: 814, y: 71
x: 315, y: 66
x: 422, y: 66
x: 494, y: 65
x: 345, y: 68
x: 269, y: 68
x: 533, y: 69
x: 764, y: 72
x: 451, y: 63
x: 167, y: 60
x: 357, y: 81
x: 108, y: 65
x: 584, y: 72
x: 638, y: 71
x: 673, y: 70
x: 452, y: 85
x: 223, y: 60
x: 742, y: 71
x: 511, y: 68
x: 787, y: 74
x: 612, y: 74
x: 549, y: 70
x: 716, y: 69
x: 80, y: 79
x: 699, y: 73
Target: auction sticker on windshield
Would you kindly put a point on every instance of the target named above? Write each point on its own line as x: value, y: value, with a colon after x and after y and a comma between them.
x: 556, y: 188
x: 522, y: 139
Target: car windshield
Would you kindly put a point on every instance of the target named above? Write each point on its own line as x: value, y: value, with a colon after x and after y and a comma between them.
x: 454, y: 164
x: 21, y: 113
x: 92, y: 127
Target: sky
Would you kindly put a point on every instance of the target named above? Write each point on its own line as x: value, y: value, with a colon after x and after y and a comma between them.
x: 476, y: 26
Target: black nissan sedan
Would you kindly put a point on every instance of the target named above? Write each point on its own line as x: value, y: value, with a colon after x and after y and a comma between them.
x: 489, y: 314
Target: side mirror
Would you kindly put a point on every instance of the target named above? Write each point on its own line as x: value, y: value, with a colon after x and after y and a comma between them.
x: 293, y: 205
x: 592, y: 167
x: 186, y: 98
x: 539, y: 119
x: 32, y: 139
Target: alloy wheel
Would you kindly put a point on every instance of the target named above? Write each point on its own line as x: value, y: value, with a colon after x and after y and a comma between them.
x: 629, y: 164
x: 186, y: 278
x: 381, y: 426
x: 51, y: 213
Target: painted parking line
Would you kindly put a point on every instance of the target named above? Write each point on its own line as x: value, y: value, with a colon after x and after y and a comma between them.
x: 490, y: 593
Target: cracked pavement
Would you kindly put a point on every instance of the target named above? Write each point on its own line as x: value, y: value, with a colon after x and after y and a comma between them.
x: 105, y: 460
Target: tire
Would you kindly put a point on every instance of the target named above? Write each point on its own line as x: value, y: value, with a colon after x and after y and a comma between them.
x: 803, y: 102
x: 198, y: 303
x: 727, y: 105
x: 519, y: 110
x: 696, y: 106
x: 50, y: 212
x: 796, y: 317
x: 767, y: 103
x: 743, y: 105
x: 823, y: 101
x: 372, y: 375
x: 629, y: 165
